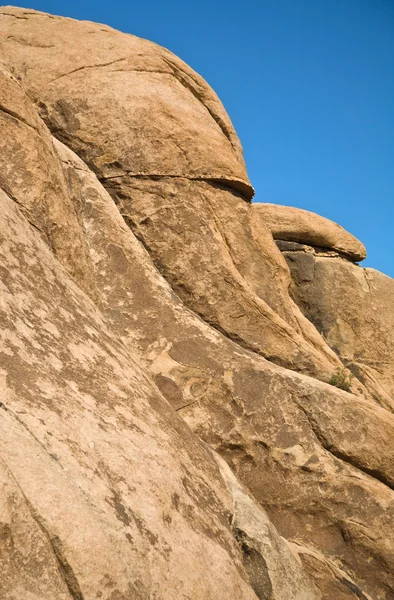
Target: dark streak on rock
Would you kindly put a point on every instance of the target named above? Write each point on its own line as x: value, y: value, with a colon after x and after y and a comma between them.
x: 64, y: 566
x: 354, y: 588
x: 255, y: 566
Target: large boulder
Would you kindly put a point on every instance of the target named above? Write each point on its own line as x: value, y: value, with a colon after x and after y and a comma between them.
x: 122, y: 102
x: 351, y: 307
x: 156, y: 136
x: 104, y: 491
x: 108, y: 368
x: 296, y: 225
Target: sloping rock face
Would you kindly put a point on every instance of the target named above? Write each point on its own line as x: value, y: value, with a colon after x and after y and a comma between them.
x: 167, y: 429
x: 103, y: 490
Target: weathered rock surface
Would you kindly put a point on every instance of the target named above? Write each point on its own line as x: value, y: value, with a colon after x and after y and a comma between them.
x: 266, y: 555
x: 297, y: 225
x: 156, y: 135
x: 103, y: 490
x: 230, y: 396
x: 174, y: 285
x: 352, y: 308
x: 25, y: 146
x: 110, y: 88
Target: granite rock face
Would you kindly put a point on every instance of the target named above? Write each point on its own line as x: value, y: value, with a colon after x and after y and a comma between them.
x: 167, y: 425
x: 352, y: 308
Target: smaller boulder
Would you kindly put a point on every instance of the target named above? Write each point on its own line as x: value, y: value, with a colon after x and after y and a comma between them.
x: 297, y: 225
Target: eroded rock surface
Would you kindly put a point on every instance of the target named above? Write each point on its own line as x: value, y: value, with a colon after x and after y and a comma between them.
x: 165, y: 330
x: 296, y: 225
x: 156, y: 136
x: 99, y: 473
x: 352, y: 307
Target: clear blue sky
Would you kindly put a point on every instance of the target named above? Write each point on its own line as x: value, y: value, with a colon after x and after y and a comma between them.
x: 309, y: 86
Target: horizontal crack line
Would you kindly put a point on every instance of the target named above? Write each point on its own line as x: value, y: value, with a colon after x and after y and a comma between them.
x: 106, y: 64
x: 237, y: 185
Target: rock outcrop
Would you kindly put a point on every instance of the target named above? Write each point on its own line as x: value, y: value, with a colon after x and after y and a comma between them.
x: 350, y: 306
x: 167, y: 425
x: 296, y: 225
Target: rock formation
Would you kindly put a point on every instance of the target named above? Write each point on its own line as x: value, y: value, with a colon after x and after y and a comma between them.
x: 168, y: 426
x: 296, y: 225
x: 350, y: 306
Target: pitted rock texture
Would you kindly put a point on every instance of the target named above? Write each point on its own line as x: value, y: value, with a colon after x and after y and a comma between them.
x: 147, y: 328
x: 296, y: 225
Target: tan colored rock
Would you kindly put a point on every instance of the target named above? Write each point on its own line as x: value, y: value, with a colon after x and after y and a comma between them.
x: 297, y: 225
x: 71, y: 363
x: 264, y: 551
x: 331, y: 580
x: 353, y: 308
x: 301, y: 456
x: 25, y: 146
x: 110, y: 492
x: 319, y: 460
x: 29, y: 566
x: 188, y: 244
x: 112, y: 88
x: 122, y: 112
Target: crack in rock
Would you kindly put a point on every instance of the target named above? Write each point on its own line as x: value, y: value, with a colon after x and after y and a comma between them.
x: 341, y: 455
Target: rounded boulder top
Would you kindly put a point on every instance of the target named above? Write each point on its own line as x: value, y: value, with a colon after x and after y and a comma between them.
x: 297, y: 225
x: 124, y: 104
